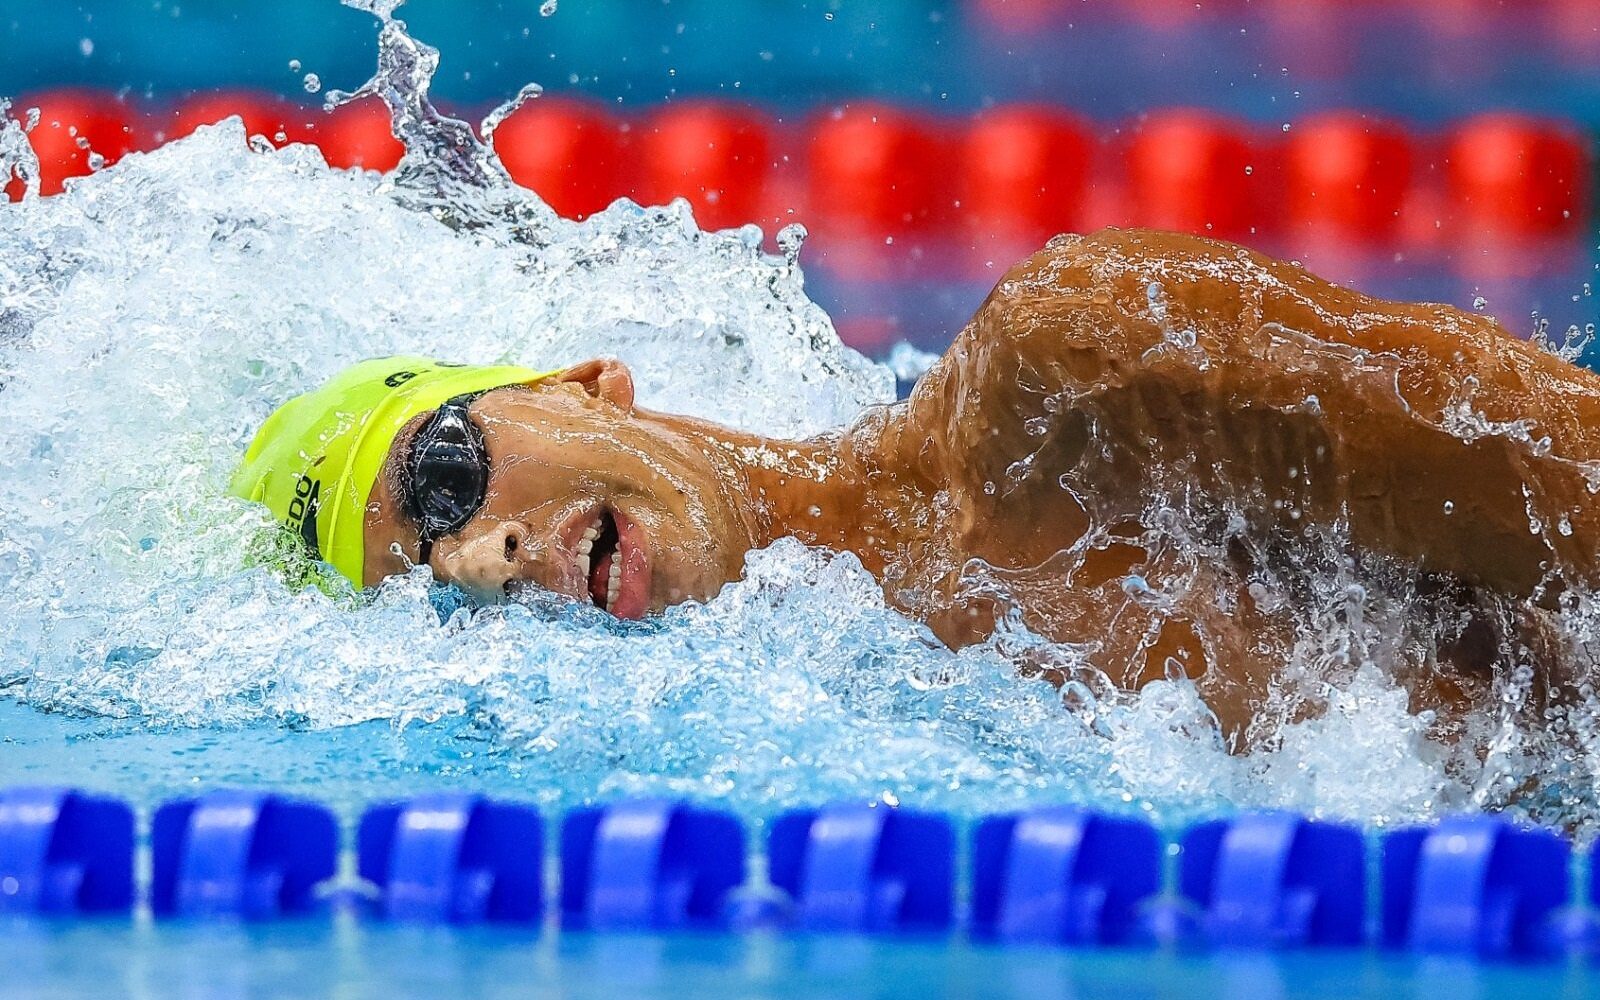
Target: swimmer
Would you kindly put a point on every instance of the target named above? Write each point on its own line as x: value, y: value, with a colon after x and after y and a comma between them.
x: 1115, y: 393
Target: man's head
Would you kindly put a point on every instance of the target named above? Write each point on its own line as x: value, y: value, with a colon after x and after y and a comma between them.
x: 501, y: 478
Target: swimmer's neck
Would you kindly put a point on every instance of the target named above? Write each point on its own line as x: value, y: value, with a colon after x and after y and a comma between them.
x: 836, y: 490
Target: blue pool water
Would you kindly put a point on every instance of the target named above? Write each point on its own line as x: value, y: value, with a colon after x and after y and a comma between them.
x: 347, y: 956
x: 347, y: 767
x: 343, y: 959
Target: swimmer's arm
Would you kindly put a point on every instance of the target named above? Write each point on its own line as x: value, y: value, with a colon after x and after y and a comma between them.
x: 1247, y: 375
x: 1006, y: 390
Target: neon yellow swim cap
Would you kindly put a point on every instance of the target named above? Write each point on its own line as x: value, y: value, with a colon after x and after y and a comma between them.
x: 315, y: 460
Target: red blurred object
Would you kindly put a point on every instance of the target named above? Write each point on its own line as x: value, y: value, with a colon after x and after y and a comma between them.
x: 871, y: 335
x: 1573, y: 27
x: 1022, y: 16
x: 876, y: 171
x: 1513, y: 177
x: 1320, y: 40
x: 718, y: 156
x: 72, y: 125
x: 570, y: 152
x: 1194, y: 172
x: 281, y: 121
x: 1173, y: 15
x: 1348, y: 176
x: 1026, y: 172
x: 358, y: 135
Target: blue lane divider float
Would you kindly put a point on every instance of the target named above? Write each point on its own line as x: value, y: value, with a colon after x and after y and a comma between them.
x: 1473, y: 885
x: 649, y: 864
x: 64, y: 852
x: 1062, y: 875
x: 244, y: 854
x: 1476, y: 886
x: 454, y: 859
x: 865, y: 868
x: 1275, y: 879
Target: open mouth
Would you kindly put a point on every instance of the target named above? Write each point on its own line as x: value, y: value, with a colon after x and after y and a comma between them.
x: 612, y: 563
x: 600, y: 560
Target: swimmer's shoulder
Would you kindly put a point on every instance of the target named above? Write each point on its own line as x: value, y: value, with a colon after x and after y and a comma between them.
x: 1133, y: 281
x: 1116, y: 292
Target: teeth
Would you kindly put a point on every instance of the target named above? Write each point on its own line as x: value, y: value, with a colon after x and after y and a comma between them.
x: 586, y: 546
x: 583, y: 564
x: 615, y: 584
x: 591, y: 534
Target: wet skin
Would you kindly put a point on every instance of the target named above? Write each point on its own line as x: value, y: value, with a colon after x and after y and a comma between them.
x: 1102, y: 373
x: 684, y: 498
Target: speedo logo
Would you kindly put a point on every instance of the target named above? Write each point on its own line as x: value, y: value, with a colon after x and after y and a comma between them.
x: 303, y: 511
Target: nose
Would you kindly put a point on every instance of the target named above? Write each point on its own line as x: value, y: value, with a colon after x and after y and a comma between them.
x: 483, y: 559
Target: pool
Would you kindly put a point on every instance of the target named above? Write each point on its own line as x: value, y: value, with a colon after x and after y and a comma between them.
x: 159, y: 647
x: 347, y: 960
x: 159, y: 310
x: 348, y: 947
x: 346, y: 767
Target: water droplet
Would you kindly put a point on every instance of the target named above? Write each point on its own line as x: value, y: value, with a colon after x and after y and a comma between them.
x: 294, y: 65
x: 312, y: 83
x: 86, y: 46
x: 494, y: 119
x: 1479, y: 302
x: 988, y: 488
x: 547, y: 8
x: 790, y: 239
x: 1449, y: 506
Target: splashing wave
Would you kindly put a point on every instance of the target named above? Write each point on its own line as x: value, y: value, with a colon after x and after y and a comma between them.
x: 153, y: 315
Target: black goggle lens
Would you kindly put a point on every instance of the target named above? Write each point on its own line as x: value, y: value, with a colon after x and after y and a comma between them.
x: 449, y: 471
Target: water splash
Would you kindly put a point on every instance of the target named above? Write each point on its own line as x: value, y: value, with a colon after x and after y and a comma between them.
x: 445, y: 169
x: 493, y: 119
x: 1573, y: 343
x: 152, y: 316
x: 17, y: 159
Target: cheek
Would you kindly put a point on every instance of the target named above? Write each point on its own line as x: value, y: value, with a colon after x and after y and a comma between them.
x: 691, y: 554
x: 675, y: 538
x: 563, y: 468
x: 526, y: 484
x: 700, y: 499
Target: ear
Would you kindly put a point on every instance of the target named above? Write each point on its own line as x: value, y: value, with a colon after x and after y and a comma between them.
x: 602, y: 378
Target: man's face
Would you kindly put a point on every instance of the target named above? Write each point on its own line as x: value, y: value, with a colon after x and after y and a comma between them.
x: 585, y: 496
